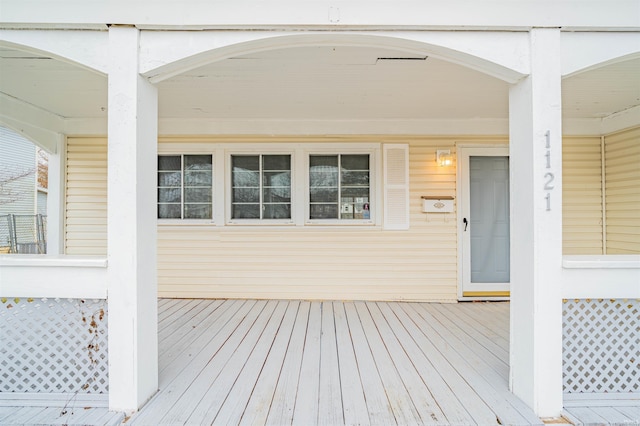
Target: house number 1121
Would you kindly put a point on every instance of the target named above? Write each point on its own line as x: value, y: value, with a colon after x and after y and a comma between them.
x: 548, y: 177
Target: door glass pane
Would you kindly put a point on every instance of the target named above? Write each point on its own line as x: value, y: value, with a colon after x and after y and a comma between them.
x: 489, y: 219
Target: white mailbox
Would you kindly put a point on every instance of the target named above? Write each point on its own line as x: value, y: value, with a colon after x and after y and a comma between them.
x: 437, y: 204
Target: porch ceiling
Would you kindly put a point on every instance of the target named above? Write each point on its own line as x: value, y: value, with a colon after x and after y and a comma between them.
x: 323, y: 83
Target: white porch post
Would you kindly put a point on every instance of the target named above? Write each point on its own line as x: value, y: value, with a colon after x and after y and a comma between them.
x: 55, y: 199
x: 536, y: 228
x: 132, y: 273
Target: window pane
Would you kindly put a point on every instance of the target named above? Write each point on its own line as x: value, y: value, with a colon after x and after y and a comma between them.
x: 245, y: 211
x: 169, y: 211
x: 276, y: 162
x: 323, y: 194
x: 197, y: 178
x: 350, y: 178
x: 197, y: 211
x: 169, y: 162
x: 246, y: 195
x: 197, y: 162
x: 276, y: 195
x: 169, y: 179
x: 323, y: 211
x: 169, y: 195
x: 277, y: 211
x: 355, y: 162
x: 355, y: 192
x: 362, y: 210
x: 197, y: 195
x: 281, y: 179
x: 245, y: 162
x: 346, y: 208
x: 246, y: 179
x: 323, y: 160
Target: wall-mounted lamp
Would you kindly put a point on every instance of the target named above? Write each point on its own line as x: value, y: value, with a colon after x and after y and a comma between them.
x: 443, y: 157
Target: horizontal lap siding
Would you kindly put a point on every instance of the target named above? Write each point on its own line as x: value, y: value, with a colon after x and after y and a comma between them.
x: 622, y: 166
x: 581, y: 195
x: 86, y: 196
x: 317, y: 262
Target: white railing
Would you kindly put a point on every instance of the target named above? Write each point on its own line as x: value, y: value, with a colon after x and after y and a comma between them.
x: 601, y: 319
x: 72, y: 277
x: 53, y: 323
x: 601, y: 277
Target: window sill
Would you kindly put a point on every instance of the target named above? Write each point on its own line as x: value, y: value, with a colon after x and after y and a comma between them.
x: 185, y: 222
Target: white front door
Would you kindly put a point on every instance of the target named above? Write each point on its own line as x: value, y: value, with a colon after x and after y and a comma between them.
x: 484, y: 221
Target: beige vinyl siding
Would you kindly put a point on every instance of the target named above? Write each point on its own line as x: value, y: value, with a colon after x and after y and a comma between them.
x: 622, y: 172
x: 321, y: 262
x: 581, y: 195
x: 86, y: 196
x: 326, y: 262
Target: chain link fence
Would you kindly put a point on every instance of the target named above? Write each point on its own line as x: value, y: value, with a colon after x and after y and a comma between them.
x: 25, y: 234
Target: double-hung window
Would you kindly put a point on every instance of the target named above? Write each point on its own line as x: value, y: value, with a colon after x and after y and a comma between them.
x: 339, y: 187
x: 185, y: 187
x: 261, y: 187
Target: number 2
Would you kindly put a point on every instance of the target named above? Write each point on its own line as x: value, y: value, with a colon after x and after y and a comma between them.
x: 548, y: 186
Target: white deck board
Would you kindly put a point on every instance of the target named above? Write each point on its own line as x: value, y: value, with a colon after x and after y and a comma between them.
x: 468, y: 357
x: 354, y: 406
x: 330, y: 410
x: 284, y: 397
x: 399, y: 397
x: 378, y: 406
x: 257, y: 408
x: 306, y: 404
x: 419, y: 394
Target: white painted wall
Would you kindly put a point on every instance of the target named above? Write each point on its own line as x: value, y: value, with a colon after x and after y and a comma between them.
x: 459, y: 14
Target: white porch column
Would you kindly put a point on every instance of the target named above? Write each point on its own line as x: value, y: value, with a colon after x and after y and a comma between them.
x: 536, y: 228
x: 131, y: 252
x: 55, y: 199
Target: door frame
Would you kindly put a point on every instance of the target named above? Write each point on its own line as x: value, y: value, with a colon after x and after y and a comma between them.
x: 464, y: 151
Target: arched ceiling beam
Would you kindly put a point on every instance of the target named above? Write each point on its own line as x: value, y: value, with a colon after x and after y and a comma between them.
x: 502, y: 55
x: 41, y: 127
x: 87, y: 49
x: 583, y: 52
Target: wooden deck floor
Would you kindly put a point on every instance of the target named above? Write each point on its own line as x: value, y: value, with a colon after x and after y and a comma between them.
x: 306, y: 363
x: 333, y: 363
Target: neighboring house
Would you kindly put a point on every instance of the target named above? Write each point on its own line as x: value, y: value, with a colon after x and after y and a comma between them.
x: 17, y: 174
x: 21, y: 199
x: 426, y: 152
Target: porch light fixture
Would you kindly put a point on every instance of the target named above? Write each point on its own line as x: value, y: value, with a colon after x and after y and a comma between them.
x: 443, y: 157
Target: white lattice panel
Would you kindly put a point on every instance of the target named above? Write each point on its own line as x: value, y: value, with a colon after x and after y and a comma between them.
x: 53, y: 346
x: 601, y: 346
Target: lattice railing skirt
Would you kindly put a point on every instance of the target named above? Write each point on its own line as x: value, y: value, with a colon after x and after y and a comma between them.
x: 53, y: 346
x: 601, y: 345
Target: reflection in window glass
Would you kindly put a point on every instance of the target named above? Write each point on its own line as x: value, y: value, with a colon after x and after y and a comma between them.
x: 339, y: 187
x: 261, y: 187
x: 185, y: 187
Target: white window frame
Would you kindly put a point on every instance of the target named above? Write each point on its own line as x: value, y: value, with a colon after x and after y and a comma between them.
x: 258, y: 150
x: 190, y: 149
x: 222, y: 180
x: 375, y: 185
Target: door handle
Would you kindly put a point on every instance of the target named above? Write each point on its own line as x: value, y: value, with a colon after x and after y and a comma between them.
x: 466, y: 222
